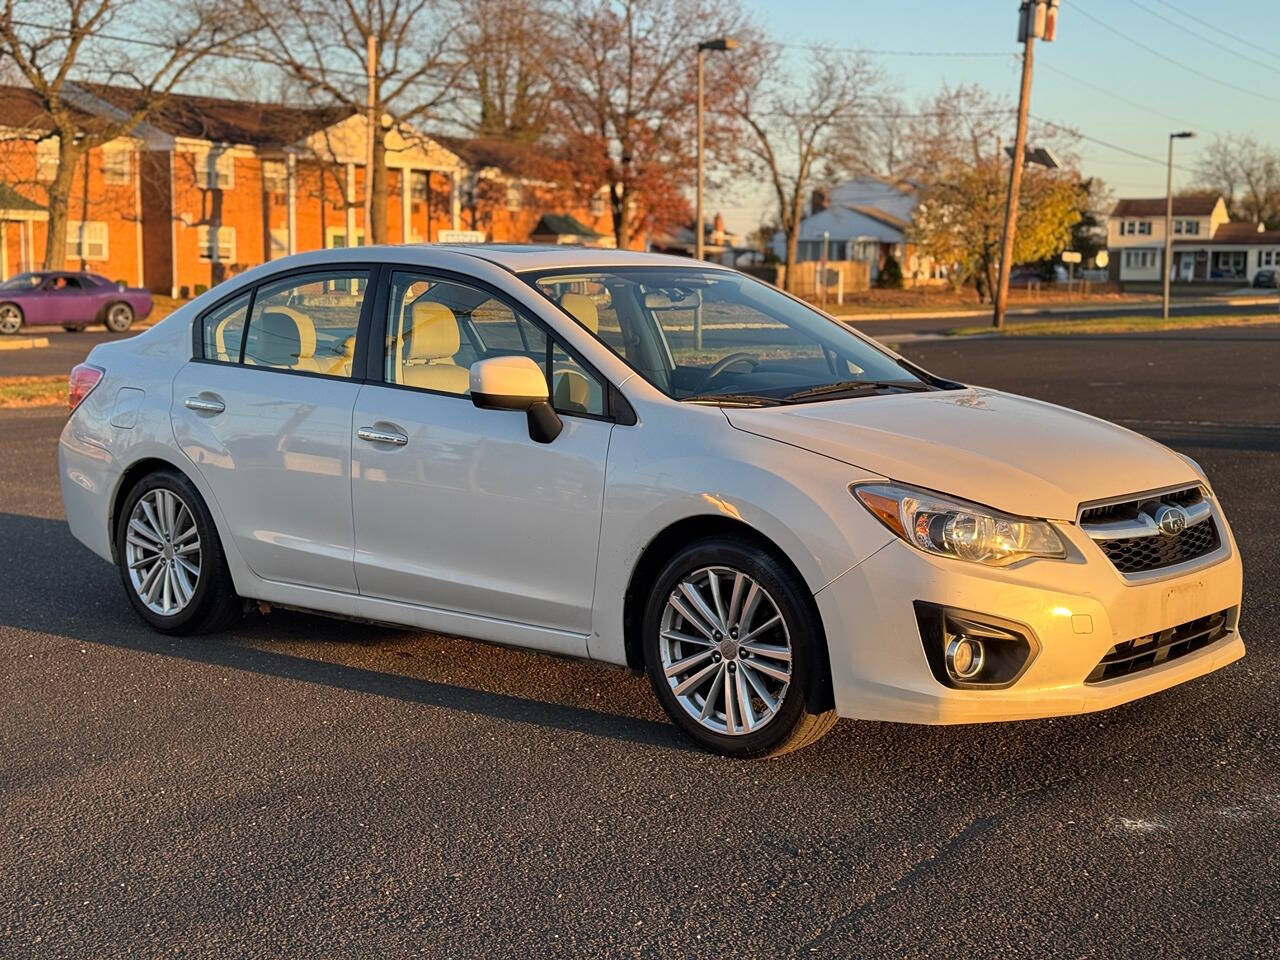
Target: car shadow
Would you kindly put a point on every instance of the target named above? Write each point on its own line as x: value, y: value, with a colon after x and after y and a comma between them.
x: 56, y: 586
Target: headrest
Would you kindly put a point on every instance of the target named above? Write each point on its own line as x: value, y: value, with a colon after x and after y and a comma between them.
x: 286, y: 335
x: 433, y: 331
x: 583, y: 309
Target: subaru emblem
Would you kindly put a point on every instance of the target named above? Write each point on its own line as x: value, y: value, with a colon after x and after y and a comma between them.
x: 1171, y: 520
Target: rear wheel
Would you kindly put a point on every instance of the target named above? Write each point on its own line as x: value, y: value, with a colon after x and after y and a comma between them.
x: 732, y: 650
x: 171, y: 560
x: 119, y: 317
x: 10, y: 318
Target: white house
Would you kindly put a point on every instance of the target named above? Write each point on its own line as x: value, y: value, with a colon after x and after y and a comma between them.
x: 1208, y: 247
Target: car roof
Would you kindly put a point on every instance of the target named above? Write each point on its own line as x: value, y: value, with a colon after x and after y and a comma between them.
x: 524, y: 257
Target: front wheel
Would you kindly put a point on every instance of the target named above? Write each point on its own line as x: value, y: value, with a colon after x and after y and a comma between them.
x: 170, y: 558
x: 119, y: 317
x: 10, y: 318
x: 733, y: 650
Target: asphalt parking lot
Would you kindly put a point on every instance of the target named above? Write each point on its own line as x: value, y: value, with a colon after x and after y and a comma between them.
x: 308, y: 787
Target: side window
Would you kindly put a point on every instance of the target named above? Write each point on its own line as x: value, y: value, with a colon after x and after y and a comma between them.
x: 223, y: 330
x: 436, y: 329
x: 307, y: 322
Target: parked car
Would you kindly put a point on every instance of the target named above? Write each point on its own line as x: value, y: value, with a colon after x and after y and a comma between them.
x: 652, y: 462
x: 1266, y: 278
x: 72, y: 300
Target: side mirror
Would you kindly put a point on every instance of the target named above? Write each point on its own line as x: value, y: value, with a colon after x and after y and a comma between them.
x: 516, y: 383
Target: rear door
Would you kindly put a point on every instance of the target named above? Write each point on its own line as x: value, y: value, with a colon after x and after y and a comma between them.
x: 265, y: 414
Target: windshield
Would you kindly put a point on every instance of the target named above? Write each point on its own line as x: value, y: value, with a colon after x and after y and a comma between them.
x: 23, y: 281
x: 715, y: 336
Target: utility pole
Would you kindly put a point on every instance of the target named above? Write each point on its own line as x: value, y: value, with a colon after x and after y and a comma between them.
x: 1167, y: 265
x: 372, y: 60
x: 1037, y: 20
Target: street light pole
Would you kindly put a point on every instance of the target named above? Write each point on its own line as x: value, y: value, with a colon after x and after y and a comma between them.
x: 1167, y: 265
x: 699, y: 242
x: 371, y: 65
x: 697, y: 228
x: 720, y: 43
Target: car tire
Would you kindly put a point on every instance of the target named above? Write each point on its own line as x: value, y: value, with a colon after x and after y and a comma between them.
x: 119, y: 317
x: 11, y: 318
x: 73, y: 327
x: 190, y: 591
x: 777, y: 675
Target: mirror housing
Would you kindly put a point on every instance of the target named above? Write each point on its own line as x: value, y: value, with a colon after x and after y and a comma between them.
x: 516, y: 383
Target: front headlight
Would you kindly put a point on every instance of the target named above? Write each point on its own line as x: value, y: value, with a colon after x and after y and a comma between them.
x: 956, y: 528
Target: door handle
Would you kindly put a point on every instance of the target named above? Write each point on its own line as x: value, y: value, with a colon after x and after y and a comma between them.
x: 204, y: 405
x: 382, y: 436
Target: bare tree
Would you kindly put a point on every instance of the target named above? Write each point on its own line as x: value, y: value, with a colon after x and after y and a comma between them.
x: 324, y: 43
x: 506, y: 47
x: 795, y: 126
x: 625, y: 96
x: 62, y: 48
x: 1247, y: 174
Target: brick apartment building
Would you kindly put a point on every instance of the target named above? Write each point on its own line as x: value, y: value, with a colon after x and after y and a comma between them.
x: 208, y: 187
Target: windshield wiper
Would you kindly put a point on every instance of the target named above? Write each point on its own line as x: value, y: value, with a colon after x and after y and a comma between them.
x: 753, y: 399
x: 858, y: 386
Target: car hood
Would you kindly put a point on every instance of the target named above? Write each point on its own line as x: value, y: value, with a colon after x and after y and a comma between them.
x: 1004, y: 451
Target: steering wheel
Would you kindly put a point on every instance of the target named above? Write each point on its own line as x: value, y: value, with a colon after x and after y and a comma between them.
x: 727, y: 362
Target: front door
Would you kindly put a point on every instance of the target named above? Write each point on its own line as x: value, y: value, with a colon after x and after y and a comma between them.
x: 456, y: 508
x: 265, y: 415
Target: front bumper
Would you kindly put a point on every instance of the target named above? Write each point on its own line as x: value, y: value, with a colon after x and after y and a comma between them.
x: 1078, y: 609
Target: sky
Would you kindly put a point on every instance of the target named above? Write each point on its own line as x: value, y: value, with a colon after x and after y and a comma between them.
x: 1094, y: 79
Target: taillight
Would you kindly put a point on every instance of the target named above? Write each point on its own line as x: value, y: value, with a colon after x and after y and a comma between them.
x: 83, y: 379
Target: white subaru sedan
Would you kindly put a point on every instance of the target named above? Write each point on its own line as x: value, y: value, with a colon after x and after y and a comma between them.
x: 649, y: 461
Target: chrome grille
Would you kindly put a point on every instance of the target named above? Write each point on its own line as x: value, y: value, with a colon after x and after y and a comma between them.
x: 1132, y: 535
x: 1133, y: 656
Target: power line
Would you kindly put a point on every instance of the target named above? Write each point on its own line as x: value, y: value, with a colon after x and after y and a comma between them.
x: 1115, y: 96
x: 1177, y: 63
x: 161, y: 45
x: 1216, y: 29
x: 1110, y: 146
x: 1201, y: 37
x: 895, y: 53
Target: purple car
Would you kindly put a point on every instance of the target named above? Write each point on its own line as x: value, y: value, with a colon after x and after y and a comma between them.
x: 73, y: 300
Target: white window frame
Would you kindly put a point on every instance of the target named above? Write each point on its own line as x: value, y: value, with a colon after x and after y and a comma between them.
x: 221, y: 163
x: 279, y: 244
x: 275, y: 176
x: 95, y: 237
x: 417, y: 177
x: 117, y: 164
x: 226, y: 237
x: 1144, y: 228
x: 47, y: 158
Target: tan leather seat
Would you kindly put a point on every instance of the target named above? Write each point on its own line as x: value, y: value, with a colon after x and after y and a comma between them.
x: 583, y: 309
x: 220, y: 339
x: 572, y: 391
x: 433, y: 340
x: 284, y: 338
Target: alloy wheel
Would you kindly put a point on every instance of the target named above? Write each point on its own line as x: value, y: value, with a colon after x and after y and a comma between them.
x: 162, y: 549
x: 726, y: 650
x: 119, y: 318
x: 10, y: 319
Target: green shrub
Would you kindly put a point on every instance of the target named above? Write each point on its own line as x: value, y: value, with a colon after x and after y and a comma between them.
x: 201, y: 288
x: 890, y: 276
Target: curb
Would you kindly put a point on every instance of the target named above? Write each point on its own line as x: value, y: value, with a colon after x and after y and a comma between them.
x: 23, y: 343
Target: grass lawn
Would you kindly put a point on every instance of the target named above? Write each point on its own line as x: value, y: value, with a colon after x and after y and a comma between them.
x: 1114, y: 325
x: 33, y: 391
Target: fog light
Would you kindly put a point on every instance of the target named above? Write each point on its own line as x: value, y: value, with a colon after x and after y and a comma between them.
x: 970, y: 650
x: 965, y: 657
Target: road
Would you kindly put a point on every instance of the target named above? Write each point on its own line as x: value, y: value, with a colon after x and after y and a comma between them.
x: 312, y: 788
